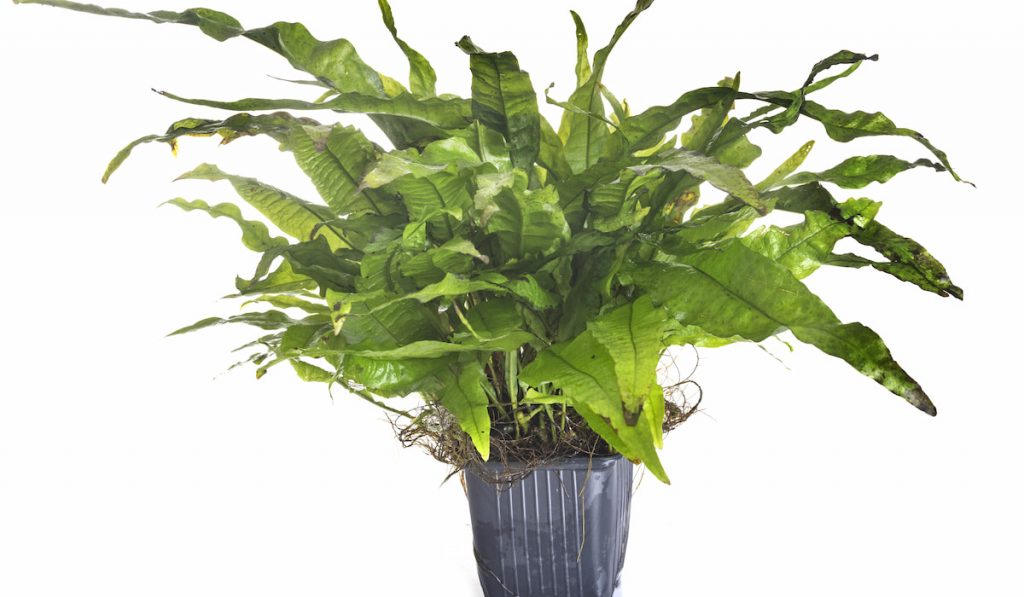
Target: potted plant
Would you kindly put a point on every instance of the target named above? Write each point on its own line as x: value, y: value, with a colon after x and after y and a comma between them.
x: 524, y: 280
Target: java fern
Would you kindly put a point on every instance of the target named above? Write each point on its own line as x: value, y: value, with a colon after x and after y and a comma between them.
x: 507, y: 271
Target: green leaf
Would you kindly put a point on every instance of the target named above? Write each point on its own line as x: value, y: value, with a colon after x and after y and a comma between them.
x: 494, y: 318
x: 422, y: 78
x: 360, y: 231
x: 465, y: 398
x: 275, y: 125
x: 293, y: 216
x: 585, y: 373
x: 843, y: 127
x: 336, y: 159
x: 785, y: 168
x: 504, y: 100
x: 443, y: 113
x: 285, y: 301
x: 695, y: 336
x: 711, y: 119
x: 792, y: 112
x: 721, y: 176
x: 429, y: 349
x: 316, y: 260
x: 587, y: 134
x: 335, y: 64
x: 650, y: 126
x: 552, y: 153
x: 255, y: 235
x: 527, y: 224
x: 839, y: 58
x: 802, y: 248
x: 731, y: 290
x: 529, y: 290
x: 706, y: 226
x: 434, y: 199
x: 453, y: 285
x: 446, y: 154
x: 211, y: 22
x: 583, y: 71
x: 282, y: 279
x: 267, y: 320
x: 732, y: 146
x: 633, y: 334
x: 310, y: 372
x: 908, y: 260
x: 858, y: 172
x: 394, y: 378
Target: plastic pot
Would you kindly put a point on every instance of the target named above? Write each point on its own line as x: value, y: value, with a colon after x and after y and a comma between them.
x: 559, y: 532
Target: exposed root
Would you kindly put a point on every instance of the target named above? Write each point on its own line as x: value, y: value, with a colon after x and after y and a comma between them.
x: 435, y: 430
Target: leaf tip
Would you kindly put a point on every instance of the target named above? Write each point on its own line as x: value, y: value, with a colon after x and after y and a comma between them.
x: 920, y: 400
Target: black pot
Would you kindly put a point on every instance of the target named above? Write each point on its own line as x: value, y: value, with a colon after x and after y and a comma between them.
x: 559, y: 532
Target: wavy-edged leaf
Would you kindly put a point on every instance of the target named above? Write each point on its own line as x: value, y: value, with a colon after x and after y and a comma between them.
x: 583, y: 71
x: 504, y: 100
x: 435, y: 199
x: 266, y: 320
x: 731, y: 146
x: 255, y: 235
x: 731, y: 290
x: 275, y: 125
x: 453, y: 285
x: 908, y: 260
x: 586, y: 134
x: 281, y: 280
x: 527, y: 288
x: 552, y: 153
x: 706, y: 226
x: 846, y: 126
x: 336, y: 158
x: 789, y: 116
x: 493, y: 318
x: 632, y: 334
x: 721, y: 176
x: 395, y: 378
x: 388, y: 326
x: 526, y: 224
x: 785, y: 168
x: 295, y: 217
x: 216, y: 24
x: 422, y: 78
x: 286, y: 301
x: 584, y: 371
x: 858, y: 172
x: 695, y: 336
x: 329, y: 269
x: 429, y: 349
x: 801, y: 248
x: 649, y: 127
x: 447, y: 154
x: 710, y: 119
x: 457, y: 256
x: 465, y: 398
x: 443, y: 113
x: 310, y: 372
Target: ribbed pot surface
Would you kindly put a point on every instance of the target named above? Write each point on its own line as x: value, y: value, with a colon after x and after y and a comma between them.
x: 560, y: 532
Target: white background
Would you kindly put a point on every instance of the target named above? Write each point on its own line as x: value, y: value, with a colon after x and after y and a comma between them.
x: 127, y: 469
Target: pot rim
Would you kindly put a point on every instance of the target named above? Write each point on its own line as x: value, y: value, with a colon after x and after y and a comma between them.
x: 572, y: 463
